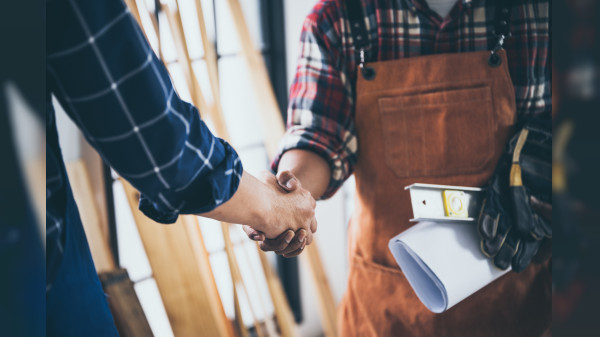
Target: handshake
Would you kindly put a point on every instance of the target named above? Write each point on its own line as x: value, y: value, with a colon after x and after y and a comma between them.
x: 274, y: 210
x: 292, y: 223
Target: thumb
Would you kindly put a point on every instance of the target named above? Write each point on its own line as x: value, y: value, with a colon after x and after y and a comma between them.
x: 287, y: 181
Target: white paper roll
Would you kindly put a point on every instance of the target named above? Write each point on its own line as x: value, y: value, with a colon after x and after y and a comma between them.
x: 443, y: 262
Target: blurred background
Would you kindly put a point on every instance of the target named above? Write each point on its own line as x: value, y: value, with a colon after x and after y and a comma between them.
x: 274, y: 27
x: 576, y: 185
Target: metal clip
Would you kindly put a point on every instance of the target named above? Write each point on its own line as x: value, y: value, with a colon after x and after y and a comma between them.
x: 368, y: 72
x: 494, y: 60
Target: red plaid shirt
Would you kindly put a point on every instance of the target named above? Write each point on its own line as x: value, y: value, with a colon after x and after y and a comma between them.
x: 321, y: 110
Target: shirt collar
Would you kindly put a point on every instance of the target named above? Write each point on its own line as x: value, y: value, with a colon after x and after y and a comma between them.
x: 465, y: 4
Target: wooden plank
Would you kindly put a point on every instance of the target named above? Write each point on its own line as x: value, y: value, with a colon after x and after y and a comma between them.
x: 326, y: 301
x: 274, y: 131
x: 269, y: 319
x: 280, y: 304
x: 283, y: 312
x: 183, y: 56
x: 90, y: 217
x: 194, y: 235
x: 133, y: 8
x: 182, y: 272
x: 272, y: 120
x: 236, y: 280
x: 273, y: 126
x: 123, y: 302
x: 210, y: 56
x: 176, y: 25
x: 155, y: 27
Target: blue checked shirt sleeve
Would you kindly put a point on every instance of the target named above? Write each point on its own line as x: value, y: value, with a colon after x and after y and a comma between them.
x: 105, y: 75
x: 321, y: 99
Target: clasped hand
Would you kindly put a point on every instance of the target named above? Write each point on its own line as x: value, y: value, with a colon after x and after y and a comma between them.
x: 293, y: 221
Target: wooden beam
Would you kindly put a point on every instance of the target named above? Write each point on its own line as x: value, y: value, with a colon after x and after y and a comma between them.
x: 90, y: 217
x: 238, y: 284
x: 210, y: 56
x: 274, y: 130
x: 183, y: 56
x: 133, y: 8
x: 155, y: 27
x: 182, y: 272
x: 124, y: 304
x: 273, y: 126
x: 327, y: 306
x: 269, y: 319
x: 280, y: 304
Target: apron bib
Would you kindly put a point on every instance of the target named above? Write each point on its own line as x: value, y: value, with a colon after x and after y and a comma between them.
x: 437, y: 119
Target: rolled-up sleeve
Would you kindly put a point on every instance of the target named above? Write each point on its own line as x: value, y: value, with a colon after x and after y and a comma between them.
x: 321, y: 100
x: 107, y: 78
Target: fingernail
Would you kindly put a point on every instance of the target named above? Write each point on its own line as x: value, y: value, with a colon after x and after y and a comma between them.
x: 302, y: 236
x: 289, y: 236
x: 290, y: 183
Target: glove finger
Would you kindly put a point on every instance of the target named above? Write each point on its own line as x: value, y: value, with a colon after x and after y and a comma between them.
x: 490, y: 246
x: 488, y: 226
x: 522, y: 211
x: 544, y: 209
x: 542, y: 228
x: 526, y: 251
x: 508, y: 250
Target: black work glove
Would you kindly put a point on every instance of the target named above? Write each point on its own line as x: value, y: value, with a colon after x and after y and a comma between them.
x: 499, y: 239
x: 511, y: 227
x: 531, y: 178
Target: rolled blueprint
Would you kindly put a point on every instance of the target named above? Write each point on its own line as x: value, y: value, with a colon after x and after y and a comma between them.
x: 443, y: 262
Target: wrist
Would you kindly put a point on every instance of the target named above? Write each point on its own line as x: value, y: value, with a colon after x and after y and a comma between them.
x: 266, y: 210
x: 311, y: 170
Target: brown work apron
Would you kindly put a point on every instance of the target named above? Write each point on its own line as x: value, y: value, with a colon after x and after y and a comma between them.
x: 438, y: 119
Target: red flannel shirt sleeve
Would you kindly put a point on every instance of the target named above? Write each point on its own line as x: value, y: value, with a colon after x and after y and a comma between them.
x: 321, y: 100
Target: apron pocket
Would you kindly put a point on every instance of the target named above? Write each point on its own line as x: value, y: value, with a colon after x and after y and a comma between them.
x: 440, y: 133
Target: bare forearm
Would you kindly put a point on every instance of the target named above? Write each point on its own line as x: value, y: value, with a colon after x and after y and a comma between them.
x: 310, y: 169
x: 248, y: 206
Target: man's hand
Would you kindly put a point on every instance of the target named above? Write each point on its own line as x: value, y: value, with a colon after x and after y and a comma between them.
x: 267, y: 208
x: 289, y: 243
x: 290, y: 210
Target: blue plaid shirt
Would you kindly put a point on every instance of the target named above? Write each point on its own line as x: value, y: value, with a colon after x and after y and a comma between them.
x: 111, y: 84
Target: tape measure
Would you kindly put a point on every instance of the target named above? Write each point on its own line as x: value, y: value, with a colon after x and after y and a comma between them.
x: 455, y: 204
x: 444, y: 202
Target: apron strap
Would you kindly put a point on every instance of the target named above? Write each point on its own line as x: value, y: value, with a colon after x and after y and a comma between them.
x: 501, y: 28
x: 360, y: 36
